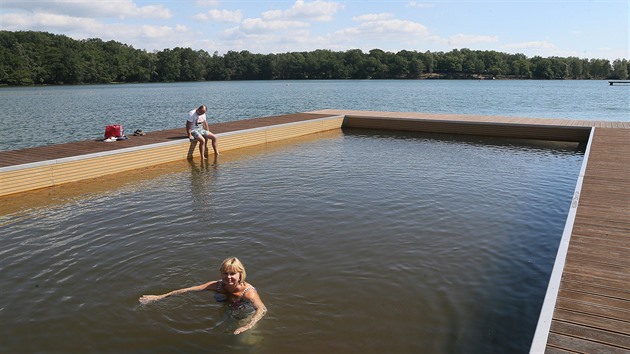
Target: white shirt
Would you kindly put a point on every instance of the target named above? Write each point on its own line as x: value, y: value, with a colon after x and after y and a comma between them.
x: 196, y: 119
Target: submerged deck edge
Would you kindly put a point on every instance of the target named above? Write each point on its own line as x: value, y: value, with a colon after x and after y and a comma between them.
x: 495, y: 129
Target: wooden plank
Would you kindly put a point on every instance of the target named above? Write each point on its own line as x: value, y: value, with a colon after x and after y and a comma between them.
x: 593, y: 279
x: 553, y: 350
x: 578, y: 345
x: 593, y: 335
x: 245, y: 139
x: 585, y: 253
x: 605, y: 272
x: 621, y: 305
x: 587, y: 308
x: 590, y: 288
x: 615, y: 234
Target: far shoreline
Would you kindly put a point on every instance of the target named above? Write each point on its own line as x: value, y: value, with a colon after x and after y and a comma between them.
x: 432, y: 76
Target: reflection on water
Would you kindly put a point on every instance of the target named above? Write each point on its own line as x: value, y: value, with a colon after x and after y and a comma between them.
x: 357, y: 242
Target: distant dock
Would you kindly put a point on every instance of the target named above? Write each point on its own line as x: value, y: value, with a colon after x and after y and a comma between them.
x: 618, y: 82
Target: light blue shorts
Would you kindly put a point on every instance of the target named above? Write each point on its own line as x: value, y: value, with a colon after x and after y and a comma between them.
x: 198, y: 132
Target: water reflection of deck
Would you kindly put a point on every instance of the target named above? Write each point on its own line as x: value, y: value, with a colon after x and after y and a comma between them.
x: 587, y: 306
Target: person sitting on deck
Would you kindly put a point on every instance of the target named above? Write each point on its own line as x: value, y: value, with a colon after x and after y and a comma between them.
x: 197, y: 129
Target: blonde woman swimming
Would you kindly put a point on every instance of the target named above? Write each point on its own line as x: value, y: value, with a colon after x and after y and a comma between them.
x: 241, y: 297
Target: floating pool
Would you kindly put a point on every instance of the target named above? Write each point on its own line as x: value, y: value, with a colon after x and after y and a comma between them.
x: 358, y: 241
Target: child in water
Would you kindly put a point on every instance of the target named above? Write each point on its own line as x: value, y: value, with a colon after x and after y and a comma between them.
x: 241, y: 297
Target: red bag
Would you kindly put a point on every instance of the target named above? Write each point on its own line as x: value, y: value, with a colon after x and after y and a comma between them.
x: 114, y: 131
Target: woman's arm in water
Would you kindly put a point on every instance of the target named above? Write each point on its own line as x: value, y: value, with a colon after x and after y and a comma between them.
x: 261, y: 310
x: 145, y: 299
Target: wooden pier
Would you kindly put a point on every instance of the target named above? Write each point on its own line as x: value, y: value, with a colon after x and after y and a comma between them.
x: 587, y: 305
x: 618, y: 82
x: 592, y: 308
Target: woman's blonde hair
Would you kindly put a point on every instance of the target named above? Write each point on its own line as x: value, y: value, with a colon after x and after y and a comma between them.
x: 232, y: 264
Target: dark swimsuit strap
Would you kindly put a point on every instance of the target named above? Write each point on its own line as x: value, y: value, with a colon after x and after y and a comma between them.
x: 220, y: 286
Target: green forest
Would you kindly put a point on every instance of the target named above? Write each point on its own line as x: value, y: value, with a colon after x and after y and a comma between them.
x: 41, y: 58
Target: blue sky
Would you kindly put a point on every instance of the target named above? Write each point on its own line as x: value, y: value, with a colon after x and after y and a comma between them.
x: 585, y: 29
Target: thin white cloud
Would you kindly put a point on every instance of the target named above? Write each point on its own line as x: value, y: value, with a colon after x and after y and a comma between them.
x: 149, y: 37
x: 156, y: 32
x: 420, y: 5
x: 140, y: 36
x: 253, y: 25
x: 54, y: 22
x: 385, y: 25
x: 207, y: 3
x: 531, y: 45
x: 278, y: 26
x: 373, y: 17
x: 540, y: 48
x: 294, y: 41
x: 281, y: 28
x: 313, y: 11
x: 463, y: 40
x: 158, y: 11
x: 220, y: 16
x: 90, y: 9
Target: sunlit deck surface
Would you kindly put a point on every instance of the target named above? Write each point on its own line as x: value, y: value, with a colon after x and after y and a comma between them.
x: 53, y: 152
x: 591, y: 311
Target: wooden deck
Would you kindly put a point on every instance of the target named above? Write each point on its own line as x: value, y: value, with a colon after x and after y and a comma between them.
x: 54, y: 152
x: 587, y: 306
x: 47, y: 166
x: 592, y: 309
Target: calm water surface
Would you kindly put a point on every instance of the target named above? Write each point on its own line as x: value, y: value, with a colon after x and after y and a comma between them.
x: 358, y: 242
x: 72, y: 113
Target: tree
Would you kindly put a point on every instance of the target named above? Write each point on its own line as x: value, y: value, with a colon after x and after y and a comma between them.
x: 560, y: 68
x: 522, y: 69
x: 354, y: 60
x: 599, y: 68
x: 191, y: 65
x: 428, y: 59
x: 215, y: 68
x: 415, y: 66
x: 472, y: 63
x: 168, y: 66
x: 576, y: 68
x: 15, y: 64
x: 451, y: 62
x: 397, y: 67
x: 620, y: 69
x: 542, y: 68
x: 495, y: 63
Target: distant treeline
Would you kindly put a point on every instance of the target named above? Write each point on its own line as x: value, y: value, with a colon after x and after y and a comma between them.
x: 28, y: 58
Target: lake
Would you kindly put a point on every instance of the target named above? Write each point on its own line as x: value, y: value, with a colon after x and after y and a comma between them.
x: 71, y: 113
